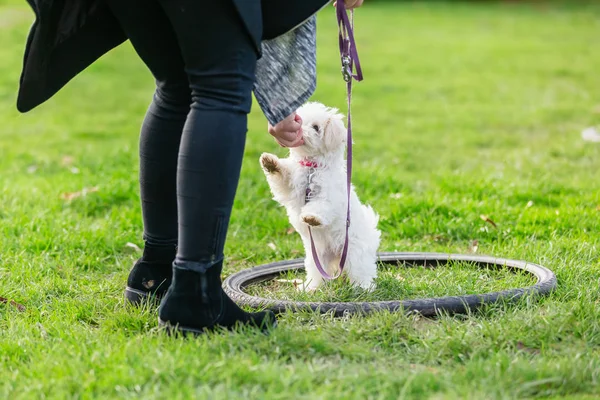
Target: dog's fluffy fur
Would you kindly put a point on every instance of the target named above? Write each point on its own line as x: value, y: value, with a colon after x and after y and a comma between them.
x: 325, y: 139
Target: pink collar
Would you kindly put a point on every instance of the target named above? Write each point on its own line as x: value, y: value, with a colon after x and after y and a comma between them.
x: 307, y: 163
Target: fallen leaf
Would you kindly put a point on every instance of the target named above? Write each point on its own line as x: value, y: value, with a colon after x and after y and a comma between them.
x: 70, y: 196
x: 18, y: 306
x: 133, y: 246
x: 474, y: 246
x: 529, y: 350
x: 82, y: 193
x: 488, y: 220
x: 272, y: 246
x: 295, y: 282
x: 295, y: 252
x: 291, y: 231
x: 424, y: 367
x: 529, y: 203
x: 43, y: 332
x: 435, y: 238
x: 67, y: 160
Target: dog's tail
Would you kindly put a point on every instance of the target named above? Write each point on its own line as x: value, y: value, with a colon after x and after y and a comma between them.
x: 371, y: 217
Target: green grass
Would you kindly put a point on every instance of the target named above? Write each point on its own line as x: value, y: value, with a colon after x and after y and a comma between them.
x: 397, y: 281
x: 466, y: 109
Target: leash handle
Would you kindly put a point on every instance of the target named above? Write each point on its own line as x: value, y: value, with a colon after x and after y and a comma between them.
x: 347, y: 44
x: 349, y: 60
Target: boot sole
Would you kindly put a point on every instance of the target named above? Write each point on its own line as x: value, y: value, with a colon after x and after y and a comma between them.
x: 186, y: 330
x: 138, y: 297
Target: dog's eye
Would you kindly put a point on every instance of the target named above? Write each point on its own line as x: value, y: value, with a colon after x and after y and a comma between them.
x: 316, y: 127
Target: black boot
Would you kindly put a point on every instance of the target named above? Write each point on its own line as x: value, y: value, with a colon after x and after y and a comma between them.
x: 196, y: 303
x: 151, y: 275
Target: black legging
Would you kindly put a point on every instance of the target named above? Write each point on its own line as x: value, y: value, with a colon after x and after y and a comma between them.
x: 192, y: 139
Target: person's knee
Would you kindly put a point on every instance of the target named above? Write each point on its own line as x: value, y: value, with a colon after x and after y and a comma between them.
x: 223, y: 92
x: 173, y: 96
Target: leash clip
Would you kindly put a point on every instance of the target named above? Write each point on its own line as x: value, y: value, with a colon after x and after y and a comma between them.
x: 346, y: 73
x: 309, y: 194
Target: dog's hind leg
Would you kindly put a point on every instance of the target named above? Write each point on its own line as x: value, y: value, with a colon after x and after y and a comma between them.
x: 361, y: 270
x: 313, y: 278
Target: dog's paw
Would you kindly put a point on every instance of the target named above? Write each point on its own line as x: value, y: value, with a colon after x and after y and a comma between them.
x: 270, y: 163
x: 368, y: 285
x: 369, y: 288
x: 311, y: 220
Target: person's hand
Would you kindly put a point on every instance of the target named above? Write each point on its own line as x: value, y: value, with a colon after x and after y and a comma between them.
x: 350, y: 4
x: 288, y: 132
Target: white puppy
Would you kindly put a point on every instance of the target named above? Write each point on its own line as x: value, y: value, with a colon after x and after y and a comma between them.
x: 319, y: 166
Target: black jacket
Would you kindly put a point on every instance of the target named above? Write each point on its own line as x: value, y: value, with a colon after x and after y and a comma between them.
x: 68, y: 36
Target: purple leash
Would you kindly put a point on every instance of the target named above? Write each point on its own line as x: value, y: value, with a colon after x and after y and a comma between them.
x: 349, y: 58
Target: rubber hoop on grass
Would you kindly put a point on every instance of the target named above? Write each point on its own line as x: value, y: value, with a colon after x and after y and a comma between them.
x: 235, y: 284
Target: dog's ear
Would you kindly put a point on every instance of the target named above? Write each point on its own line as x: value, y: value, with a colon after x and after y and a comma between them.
x: 334, y: 134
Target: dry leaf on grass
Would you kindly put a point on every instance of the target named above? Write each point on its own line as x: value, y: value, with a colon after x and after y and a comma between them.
x: 488, y: 220
x: 436, y: 238
x: 67, y: 161
x: 474, y: 246
x: 291, y: 231
x: 529, y: 350
x: 43, y: 332
x: 18, y: 306
x: 294, y: 282
x: 272, y: 246
x: 133, y: 246
x: 425, y: 368
x: 73, y: 195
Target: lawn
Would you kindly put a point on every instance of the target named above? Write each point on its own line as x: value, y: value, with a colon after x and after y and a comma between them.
x: 467, y: 110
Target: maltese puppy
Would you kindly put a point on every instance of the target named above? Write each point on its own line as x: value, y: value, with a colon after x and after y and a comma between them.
x: 312, y: 185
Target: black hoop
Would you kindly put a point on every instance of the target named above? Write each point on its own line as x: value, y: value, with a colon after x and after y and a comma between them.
x: 546, y: 282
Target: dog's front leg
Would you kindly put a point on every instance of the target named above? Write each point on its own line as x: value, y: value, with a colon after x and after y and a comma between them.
x: 278, y: 175
x: 315, y: 214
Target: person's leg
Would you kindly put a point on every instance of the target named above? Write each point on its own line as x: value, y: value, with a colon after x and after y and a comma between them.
x: 152, y: 36
x: 221, y: 77
x: 221, y: 74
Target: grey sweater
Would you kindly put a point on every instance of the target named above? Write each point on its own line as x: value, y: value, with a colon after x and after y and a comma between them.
x: 286, y: 73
